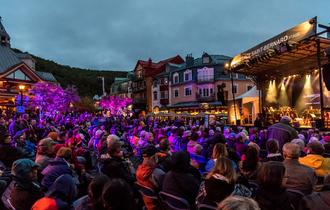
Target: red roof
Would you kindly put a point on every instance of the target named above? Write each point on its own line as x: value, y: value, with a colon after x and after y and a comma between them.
x: 152, y: 69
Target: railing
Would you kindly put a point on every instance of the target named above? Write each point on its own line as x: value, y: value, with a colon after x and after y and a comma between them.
x: 202, y: 98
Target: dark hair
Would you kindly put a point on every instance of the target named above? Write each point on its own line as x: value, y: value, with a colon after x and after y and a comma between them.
x: 181, y: 161
x: 272, y: 146
x: 194, y: 136
x: 251, y: 159
x: 95, y: 189
x: 114, y: 147
x: 117, y: 195
x: 271, y: 174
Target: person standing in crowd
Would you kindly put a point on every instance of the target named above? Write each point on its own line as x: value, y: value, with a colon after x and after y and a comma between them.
x: 282, y: 131
x: 9, y: 153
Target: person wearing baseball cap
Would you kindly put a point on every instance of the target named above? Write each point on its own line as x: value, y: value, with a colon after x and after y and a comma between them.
x: 148, y: 175
x: 25, y: 189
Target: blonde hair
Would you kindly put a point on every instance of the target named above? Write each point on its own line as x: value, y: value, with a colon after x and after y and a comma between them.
x: 224, y: 167
x: 219, y: 150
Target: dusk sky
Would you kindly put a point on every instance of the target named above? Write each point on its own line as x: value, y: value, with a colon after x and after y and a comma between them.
x: 114, y: 34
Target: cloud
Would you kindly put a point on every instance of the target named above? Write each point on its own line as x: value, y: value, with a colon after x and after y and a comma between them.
x: 114, y: 34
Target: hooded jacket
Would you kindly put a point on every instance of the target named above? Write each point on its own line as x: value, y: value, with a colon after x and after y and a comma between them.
x: 60, y: 195
x: 320, y: 164
x: 150, y: 177
x: 56, y: 168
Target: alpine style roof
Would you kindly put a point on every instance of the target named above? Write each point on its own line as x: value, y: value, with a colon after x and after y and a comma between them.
x: 152, y: 69
x: 46, y: 76
x: 8, y: 58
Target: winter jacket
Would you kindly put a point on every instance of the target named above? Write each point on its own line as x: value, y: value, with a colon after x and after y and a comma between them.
x: 320, y: 164
x: 55, y: 168
x: 22, y: 192
x: 273, y: 199
x: 282, y: 132
x: 182, y: 184
x: 298, y: 177
x: 316, y: 201
x: 153, y: 178
x: 117, y: 168
x: 60, y: 195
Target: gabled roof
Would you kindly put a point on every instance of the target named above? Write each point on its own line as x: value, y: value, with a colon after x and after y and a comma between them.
x: 46, y: 76
x: 152, y: 69
x: 8, y: 58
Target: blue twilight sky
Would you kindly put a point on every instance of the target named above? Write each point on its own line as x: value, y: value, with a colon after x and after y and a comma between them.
x: 114, y: 34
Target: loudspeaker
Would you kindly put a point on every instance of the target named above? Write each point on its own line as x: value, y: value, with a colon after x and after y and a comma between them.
x: 326, y: 75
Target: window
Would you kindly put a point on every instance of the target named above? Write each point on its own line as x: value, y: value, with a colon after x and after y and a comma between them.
x: 176, y: 93
x: 206, y: 59
x: 187, y: 75
x: 155, y: 95
x: 155, y: 83
x: 164, y: 94
x: 18, y: 74
x: 176, y: 78
x: 187, y: 91
x: 249, y: 87
x: 235, y: 87
x: 205, y: 74
x: 211, y: 90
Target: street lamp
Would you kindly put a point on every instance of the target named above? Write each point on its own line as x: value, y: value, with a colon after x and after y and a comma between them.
x: 21, y: 89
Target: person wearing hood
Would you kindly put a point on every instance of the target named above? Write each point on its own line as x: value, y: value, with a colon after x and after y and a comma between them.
x: 315, y: 160
x: 147, y: 174
x: 271, y: 194
x: 282, y: 131
x: 57, y: 167
x: 60, y: 195
x: 24, y: 190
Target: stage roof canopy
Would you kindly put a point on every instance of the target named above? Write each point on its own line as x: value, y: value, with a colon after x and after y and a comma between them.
x: 294, y: 51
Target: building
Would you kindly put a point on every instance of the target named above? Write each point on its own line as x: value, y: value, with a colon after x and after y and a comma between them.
x: 121, y: 87
x: 17, y: 72
x: 142, y: 82
x: 195, y: 85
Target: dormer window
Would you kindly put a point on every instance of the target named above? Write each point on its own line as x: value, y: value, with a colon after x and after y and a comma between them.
x: 206, y: 59
x: 187, y: 75
x: 175, y: 78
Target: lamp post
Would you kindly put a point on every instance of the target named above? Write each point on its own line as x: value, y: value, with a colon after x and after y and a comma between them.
x: 228, y: 67
x: 21, y: 89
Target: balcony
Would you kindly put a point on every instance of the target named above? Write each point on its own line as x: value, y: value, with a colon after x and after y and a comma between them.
x: 205, y: 80
x: 201, y: 98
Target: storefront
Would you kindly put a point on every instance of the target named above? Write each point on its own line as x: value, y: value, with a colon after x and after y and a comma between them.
x: 291, y: 72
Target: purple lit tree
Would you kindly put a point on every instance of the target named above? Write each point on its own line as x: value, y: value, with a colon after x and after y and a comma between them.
x: 115, y: 104
x: 51, y: 98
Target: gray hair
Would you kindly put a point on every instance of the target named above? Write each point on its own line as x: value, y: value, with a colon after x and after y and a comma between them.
x: 291, y: 150
x: 238, y: 203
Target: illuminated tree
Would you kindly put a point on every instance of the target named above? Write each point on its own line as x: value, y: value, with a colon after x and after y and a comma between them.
x: 51, y: 98
x: 115, y: 104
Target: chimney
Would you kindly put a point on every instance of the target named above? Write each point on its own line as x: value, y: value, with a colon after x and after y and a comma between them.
x: 189, y: 60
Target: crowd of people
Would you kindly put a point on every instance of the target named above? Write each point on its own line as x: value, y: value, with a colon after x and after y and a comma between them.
x: 88, y: 161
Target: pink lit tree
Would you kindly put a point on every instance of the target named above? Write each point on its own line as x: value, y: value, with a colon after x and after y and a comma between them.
x: 51, y: 98
x: 115, y: 104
